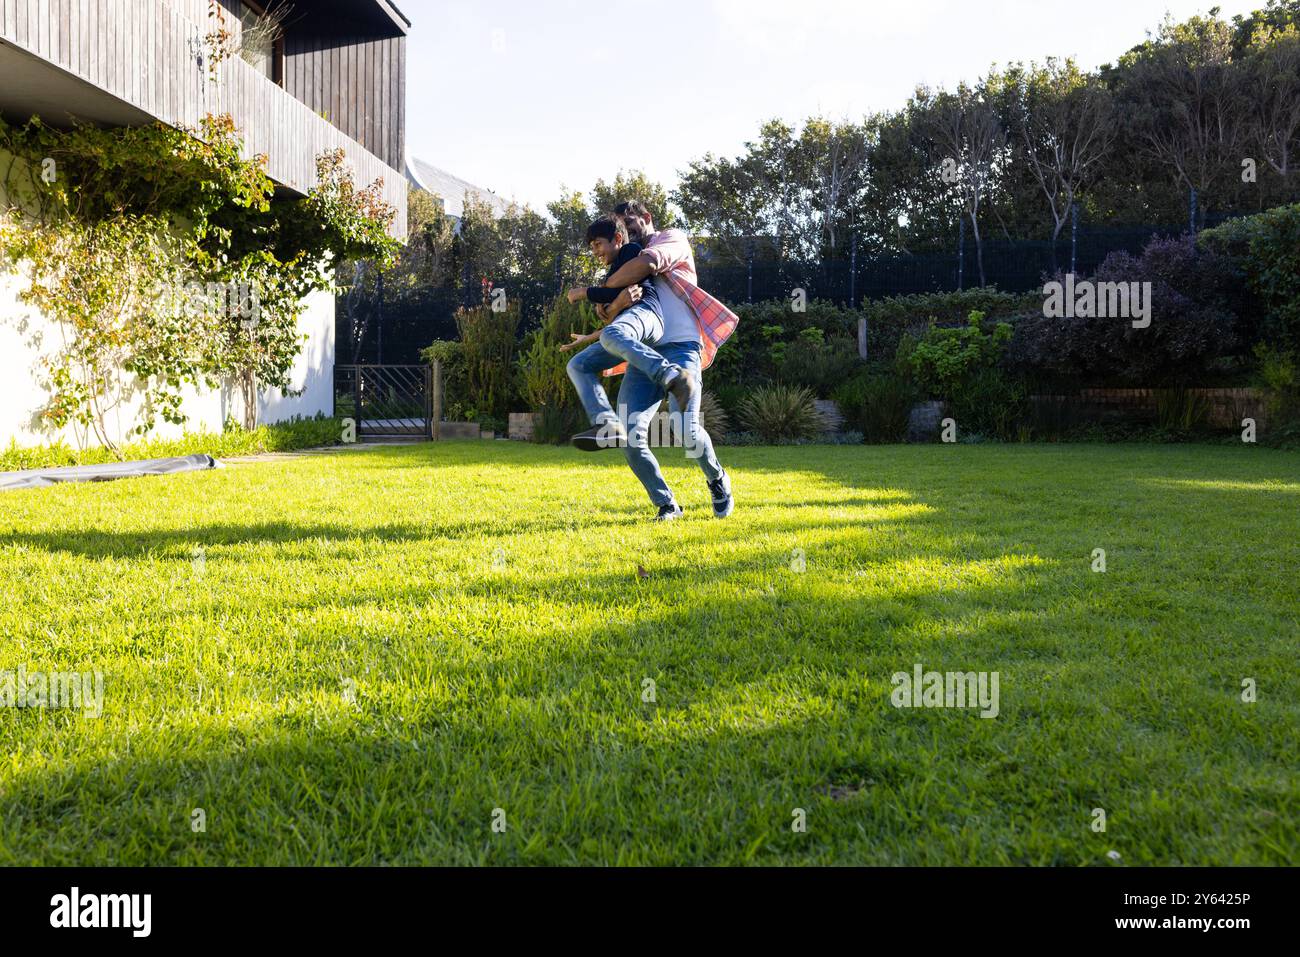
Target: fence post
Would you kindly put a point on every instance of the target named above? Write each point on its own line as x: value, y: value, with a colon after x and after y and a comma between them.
x: 749, y: 281
x: 435, y: 417
x: 853, y: 271
x: 862, y: 338
x: 356, y: 397
x: 961, y: 253
x: 379, y: 320
x: 1074, y: 236
x: 1192, y: 212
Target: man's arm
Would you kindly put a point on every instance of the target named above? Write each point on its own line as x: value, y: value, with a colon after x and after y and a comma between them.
x: 632, y: 272
x: 671, y: 246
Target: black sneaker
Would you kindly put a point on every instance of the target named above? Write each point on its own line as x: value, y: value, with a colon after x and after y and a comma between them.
x: 720, y: 490
x: 669, y: 513
x: 683, y: 389
x: 601, y: 437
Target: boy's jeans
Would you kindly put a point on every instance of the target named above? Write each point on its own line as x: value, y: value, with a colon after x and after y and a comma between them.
x: 638, y: 400
x: 624, y: 340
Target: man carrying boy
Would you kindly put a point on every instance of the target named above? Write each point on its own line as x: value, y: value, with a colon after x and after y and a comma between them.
x: 630, y: 338
x: 695, y: 327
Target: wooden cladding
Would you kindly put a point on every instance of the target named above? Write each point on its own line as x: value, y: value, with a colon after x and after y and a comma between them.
x: 150, y: 54
x: 359, y: 85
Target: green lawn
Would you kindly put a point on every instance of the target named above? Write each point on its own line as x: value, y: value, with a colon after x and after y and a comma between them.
x: 355, y: 657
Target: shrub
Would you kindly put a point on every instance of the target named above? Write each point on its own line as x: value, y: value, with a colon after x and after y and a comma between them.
x: 450, y: 355
x: 1181, y: 410
x: 1191, y: 325
x: 1267, y: 248
x: 768, y: 334
x: 991, y: 403
x: 781, y: 412
x: 729, y: 397
x: 487, y: 340
x: 1280, y: 376
x: 713, y: 417
x: 556, y: 424
x: 878, y: 405
x: 890, y: 321
x: 945, y: 358
x: 544, y: 383
x: 818, y: 365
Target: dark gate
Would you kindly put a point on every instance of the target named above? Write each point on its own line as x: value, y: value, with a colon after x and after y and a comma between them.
x: 385, y: 401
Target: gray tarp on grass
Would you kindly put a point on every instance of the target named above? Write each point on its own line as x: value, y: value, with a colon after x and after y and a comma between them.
x: 41, y: 478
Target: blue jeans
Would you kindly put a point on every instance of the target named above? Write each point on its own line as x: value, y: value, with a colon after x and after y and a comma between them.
x: 629, y: 338
x: 638, y: 401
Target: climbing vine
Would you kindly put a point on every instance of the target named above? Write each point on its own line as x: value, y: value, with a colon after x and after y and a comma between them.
x: 167, y: 261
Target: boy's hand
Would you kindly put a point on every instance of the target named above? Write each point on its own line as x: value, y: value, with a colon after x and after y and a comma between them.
x: 628, y: 298
x: 577, y: 294
x: 569, y: 345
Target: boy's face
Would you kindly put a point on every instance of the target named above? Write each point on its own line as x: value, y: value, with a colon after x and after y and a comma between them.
x: 605, y: 250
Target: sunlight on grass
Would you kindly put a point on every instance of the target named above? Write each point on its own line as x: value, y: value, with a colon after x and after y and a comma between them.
x: 1226, y: 486
x: 355, y: 658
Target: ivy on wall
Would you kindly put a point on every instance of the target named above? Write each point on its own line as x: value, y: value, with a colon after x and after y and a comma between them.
x: 167, y: 260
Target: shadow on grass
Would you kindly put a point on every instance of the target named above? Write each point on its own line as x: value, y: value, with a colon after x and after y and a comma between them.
x: 771, y: 695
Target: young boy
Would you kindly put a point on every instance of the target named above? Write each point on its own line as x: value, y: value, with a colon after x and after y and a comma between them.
x: 629, y: 338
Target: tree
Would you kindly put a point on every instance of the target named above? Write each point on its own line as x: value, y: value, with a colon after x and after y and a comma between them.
x: 1186, y: 105
x: 721, y: 199
x: 1273, y: 126
x: 168, y: 261
x: 427, y: 258
x: 634, y: 185
x: 965, y: 127
x: 836, y: 157
x: 1064, y: 120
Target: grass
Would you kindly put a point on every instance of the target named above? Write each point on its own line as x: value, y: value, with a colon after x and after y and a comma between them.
x: 298, y: 433
x: 356, y: 657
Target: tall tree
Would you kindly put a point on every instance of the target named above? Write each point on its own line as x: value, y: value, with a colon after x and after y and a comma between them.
x: 1273, y: 64
x: 971, y: 144
x: 1064, y: 120
x: 634, y: 185
x: 836, y: 155
x: 1186, y: 105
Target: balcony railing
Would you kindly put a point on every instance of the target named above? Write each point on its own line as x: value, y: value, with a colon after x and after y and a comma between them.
x: 151, y: 54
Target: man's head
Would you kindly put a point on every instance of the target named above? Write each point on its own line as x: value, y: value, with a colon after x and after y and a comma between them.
x: 640, y: 225
x: 606, y: 236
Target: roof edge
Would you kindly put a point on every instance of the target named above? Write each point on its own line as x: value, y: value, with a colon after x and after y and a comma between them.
x: 400, y: 20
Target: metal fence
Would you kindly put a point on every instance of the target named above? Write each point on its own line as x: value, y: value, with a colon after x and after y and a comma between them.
x: 399, y: 326
x: 391, y: 400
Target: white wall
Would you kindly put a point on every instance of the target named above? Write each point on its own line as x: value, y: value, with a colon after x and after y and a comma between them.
x: 26, y: 336
x: 313, y: 373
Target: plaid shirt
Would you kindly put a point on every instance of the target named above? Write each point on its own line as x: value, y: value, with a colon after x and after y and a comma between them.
x: 674, y: 262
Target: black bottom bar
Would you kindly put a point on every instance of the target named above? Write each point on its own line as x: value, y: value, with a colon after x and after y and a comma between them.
x: 914, y: 907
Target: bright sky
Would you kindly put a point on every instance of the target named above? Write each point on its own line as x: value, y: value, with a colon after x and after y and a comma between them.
x: 523, y: 96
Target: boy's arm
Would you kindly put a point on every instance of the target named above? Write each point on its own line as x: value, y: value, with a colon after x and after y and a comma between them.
x: 578, y: 340
x: 600, y: 295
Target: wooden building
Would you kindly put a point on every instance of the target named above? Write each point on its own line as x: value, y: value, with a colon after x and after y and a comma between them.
x: 301, y: 77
